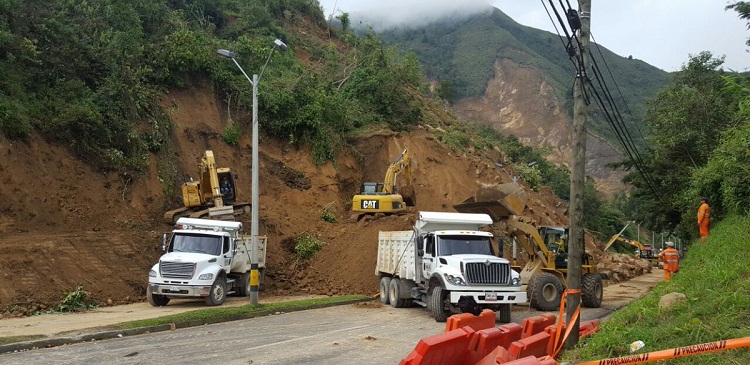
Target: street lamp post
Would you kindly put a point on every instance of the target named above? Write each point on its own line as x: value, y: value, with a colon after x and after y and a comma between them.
x: 254, y: 274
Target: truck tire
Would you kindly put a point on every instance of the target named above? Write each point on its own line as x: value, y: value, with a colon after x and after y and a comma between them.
x: 243, y: 286
x: 218, y: 292
x: 437, y: 305
x: 503, y: 313
x: 592, y: 291
x: 385, y: 287
x: 394, y: 294
x: 546, y: 292
x: 155, y: 299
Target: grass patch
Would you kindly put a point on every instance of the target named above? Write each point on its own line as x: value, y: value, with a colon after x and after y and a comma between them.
x: 716, y: 280
x: 14, y: 339
x: 245, y: 310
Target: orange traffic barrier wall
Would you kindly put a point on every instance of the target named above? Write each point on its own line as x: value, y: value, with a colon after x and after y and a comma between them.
x: 486, y: 319
x: 585, y: 328
x: 498, y: 356
x: 534, y: 325
x: 447, y: 348
x: 534, y: 345
x: 531, y: 360
x: 488, y: 340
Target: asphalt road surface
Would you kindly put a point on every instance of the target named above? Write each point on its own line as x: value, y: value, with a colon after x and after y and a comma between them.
x: 362, y: 333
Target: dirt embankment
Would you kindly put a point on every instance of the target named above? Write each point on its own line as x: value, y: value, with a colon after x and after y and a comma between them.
x: 63, y: 224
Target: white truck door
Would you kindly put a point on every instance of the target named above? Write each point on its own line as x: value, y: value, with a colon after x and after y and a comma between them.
x: 228, y: 251
x: 428, y: 259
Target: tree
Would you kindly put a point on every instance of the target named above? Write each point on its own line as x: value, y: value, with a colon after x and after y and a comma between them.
x: 743, y: 8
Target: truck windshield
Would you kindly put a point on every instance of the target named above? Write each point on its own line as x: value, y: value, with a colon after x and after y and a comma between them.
x: 197, y: 243
x: 456, y: 245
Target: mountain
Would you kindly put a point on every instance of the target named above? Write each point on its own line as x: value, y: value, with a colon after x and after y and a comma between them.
x: 519, y: 80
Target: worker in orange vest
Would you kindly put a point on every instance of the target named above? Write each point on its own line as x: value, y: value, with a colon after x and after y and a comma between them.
x: 671, y: 259
x: 704, y: 218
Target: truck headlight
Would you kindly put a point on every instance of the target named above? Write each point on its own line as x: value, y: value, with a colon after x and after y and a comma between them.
x: 454, y: 280
x: 516, y: 282
x: 152, y: 274
x: 208, y: 276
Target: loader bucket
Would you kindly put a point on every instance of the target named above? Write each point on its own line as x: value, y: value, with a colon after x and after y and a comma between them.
x: 410, y: 197
x: 500, y: 201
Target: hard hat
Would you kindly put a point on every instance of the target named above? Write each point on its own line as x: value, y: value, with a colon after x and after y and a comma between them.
x: 670, y: 244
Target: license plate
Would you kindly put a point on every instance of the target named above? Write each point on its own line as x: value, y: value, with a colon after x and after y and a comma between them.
x: 174, y: 288
x: 490, y: 297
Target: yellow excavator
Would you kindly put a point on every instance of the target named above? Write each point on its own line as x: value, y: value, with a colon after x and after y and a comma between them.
x: 643, y: 251
x: 386, y: 197
x: 213, y: 195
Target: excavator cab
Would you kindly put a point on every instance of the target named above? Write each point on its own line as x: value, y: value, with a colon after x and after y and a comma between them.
x: 227, y: 186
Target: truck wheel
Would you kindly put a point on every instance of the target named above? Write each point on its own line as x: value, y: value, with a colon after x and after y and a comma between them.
x: 592, y: 291
x: 437, y: 305
x: 218, y: 292
x: 546, y: 292
x: 394, y: 294
x: 155, y: 299
x: 385, y: 283
x: 503, y: 313
x: 243, y: 286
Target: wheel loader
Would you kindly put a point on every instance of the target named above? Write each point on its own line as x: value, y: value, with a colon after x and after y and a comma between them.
x: 386, y: 197
x: 213, y: 195
x: 541, y: 262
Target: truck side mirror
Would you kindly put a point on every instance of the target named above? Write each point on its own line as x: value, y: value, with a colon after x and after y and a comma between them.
x: 164, y: 243
x: 420, y: 246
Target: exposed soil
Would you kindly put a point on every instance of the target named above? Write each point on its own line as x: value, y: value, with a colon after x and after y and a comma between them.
x: 63, y: 224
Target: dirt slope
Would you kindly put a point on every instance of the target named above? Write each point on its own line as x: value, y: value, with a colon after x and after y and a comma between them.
x: 63, y: 224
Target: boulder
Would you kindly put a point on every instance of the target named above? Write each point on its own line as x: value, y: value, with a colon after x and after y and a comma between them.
x: 671, y: 299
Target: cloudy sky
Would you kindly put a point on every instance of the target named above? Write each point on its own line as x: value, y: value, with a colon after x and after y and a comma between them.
x: 661, y: 32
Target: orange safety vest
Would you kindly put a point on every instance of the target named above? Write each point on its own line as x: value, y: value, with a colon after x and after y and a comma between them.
x: 671, y: 259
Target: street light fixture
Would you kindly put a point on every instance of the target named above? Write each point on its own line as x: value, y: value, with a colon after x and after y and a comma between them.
x: 254, y: 275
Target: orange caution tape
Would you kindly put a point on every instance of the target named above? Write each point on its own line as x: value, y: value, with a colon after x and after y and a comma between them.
x: 674, y: 353
x: 560, y: 343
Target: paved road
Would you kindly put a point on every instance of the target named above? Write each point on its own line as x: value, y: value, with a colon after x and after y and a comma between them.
x: 362, y: 333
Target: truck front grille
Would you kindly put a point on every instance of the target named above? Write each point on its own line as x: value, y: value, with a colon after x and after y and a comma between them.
x: 177, y: 270
x: 481, y: 273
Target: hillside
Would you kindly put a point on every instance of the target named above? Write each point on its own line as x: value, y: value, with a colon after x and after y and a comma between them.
x: 64, y: 223
x: 518, y: 79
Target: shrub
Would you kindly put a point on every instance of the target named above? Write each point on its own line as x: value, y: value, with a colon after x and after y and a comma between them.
x: 307, y: 245
x: 327, y: 216
x: 76, y: 301
x: 231, y: 135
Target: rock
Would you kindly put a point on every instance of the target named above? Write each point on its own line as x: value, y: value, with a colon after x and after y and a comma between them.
x: 670, y: 299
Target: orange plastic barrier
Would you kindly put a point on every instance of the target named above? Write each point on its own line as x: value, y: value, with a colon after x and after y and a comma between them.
x: 532, y: 360
x: 534, y: 325
x: 488, y: 340
x: 447, y: 348
x: 535, y: 345
x: 585, y: 328
x: 498, y: 356
x: 674, y: 353
x: 486, y: 319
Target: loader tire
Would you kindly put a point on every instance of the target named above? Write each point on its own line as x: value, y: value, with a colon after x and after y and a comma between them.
x: 394, y: 294
x: 437, y: 305
x: 592, y: 291
x: 385, y: 283
x: 546, y: 292
x: 156, y: 300
x: 218, y: 293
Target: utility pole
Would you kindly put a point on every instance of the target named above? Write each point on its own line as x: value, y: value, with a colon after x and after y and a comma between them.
x: 578, y: 175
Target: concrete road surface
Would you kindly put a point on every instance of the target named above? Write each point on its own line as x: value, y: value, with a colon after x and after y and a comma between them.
x: 362, y: 333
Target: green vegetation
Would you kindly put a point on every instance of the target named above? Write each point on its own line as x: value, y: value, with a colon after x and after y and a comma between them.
x: 14, y: 339
x: 700, y: 137
x: 75, y: 301
x: 327, y: 216
x: 714, y: 278
x: 241, y: 311
x: 307, y: 245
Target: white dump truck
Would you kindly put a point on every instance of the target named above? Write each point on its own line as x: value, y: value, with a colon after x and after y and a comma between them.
x: 204, y: 258
x: 446, y: 260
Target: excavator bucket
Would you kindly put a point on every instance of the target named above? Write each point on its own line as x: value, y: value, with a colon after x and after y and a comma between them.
x: 410, y: 197
x: 500, y: 201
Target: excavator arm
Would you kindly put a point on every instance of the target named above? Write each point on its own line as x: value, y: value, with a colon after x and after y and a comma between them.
x: 212, y: 190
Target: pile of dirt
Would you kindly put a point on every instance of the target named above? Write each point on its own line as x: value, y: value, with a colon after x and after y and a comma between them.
x: 64, y: 224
